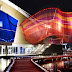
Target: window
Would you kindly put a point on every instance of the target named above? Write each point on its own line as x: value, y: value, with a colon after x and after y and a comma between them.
x: 21, y: 50
x: 16, y: 50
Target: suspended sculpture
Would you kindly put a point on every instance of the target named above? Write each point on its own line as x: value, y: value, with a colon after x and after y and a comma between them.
x: 47, y: 22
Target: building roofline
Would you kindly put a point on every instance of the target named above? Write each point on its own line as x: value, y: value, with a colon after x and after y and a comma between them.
x: 17, y: 8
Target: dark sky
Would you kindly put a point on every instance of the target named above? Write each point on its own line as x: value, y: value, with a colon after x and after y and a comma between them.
x: 33, y: 6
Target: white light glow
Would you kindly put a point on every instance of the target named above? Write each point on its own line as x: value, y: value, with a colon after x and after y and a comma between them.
x: 1, y: 24
x: 49, y: 65
x: 42, y: 49
x: 49, y: 44
x: 47, y: 26
x: 59, y: 27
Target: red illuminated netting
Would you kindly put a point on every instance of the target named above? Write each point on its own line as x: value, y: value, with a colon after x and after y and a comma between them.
x: 47, y: 22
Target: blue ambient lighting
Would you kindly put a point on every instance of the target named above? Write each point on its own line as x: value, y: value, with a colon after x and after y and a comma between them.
x: 8, y: 26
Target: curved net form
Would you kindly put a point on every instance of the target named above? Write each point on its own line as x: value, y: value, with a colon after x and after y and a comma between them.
x: 47, y: 22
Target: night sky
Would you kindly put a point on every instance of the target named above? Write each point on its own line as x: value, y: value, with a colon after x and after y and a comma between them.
x: 33, y: 6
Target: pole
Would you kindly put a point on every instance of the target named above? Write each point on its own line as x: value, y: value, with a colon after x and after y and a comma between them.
x: 6, y: 50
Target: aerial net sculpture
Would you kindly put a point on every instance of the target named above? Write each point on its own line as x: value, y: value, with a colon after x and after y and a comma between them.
x: 8, y: 26
x: 47, y: 22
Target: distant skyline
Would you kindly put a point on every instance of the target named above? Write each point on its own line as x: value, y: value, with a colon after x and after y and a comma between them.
x: 33, y: 6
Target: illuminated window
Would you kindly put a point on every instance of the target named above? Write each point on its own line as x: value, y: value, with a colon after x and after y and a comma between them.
x: 1, y: 24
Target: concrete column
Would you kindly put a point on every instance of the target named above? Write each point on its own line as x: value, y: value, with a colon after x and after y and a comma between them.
x: 12, y: 50
x: 18, y: 50
x: 2, y: 50
x: 6, y: 50
x: 15, y: 50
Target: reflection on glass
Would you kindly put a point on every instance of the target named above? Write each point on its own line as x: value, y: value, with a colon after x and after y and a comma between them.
x: 3, y: 64
x: 63, y: 66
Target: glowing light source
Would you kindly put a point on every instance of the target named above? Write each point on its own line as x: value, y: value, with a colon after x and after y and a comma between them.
x: 59, y: 27
x: 47, y: 26
x: 1, y: 24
